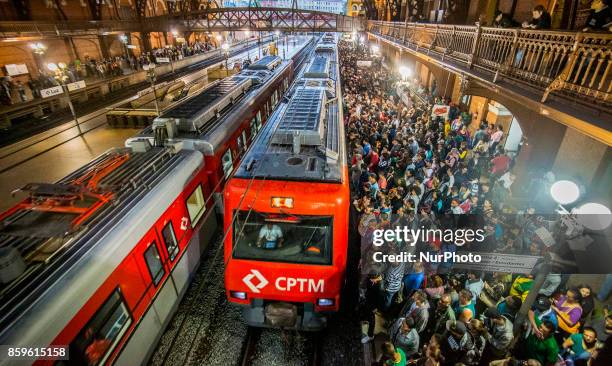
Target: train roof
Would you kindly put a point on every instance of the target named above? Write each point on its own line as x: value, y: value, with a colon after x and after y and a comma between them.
x: 210, y: 134
x: 62, y: 225
x: 266, y: 63
x: 304, y: 138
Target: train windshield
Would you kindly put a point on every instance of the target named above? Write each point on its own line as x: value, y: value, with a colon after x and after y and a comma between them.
x: 283, y: 238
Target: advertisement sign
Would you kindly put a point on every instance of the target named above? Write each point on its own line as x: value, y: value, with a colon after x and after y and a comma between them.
x: 364, y: 63
x: 16, y: 69
x: 50, y: 92
x: 440, y: 110
x: 76, y: 86
x: 161, y: 60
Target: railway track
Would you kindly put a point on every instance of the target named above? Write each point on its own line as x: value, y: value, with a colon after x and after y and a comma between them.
x: 280, y: 347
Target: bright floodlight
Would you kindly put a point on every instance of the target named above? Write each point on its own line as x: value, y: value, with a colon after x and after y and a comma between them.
x: 247, y: 32
x: 225, y: 46
x: 174, y: 33
x: 277, y: 33
x: 594, y: 216
x: 218, y: 37
x: 564, y: 192
x: 52, y: 66
x: 404, y: 71
x: 375, y: 48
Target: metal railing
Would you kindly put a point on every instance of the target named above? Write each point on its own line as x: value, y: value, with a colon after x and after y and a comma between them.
x: 573, y: 64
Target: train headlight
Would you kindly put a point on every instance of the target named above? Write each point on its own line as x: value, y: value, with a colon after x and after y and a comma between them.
x: 240, y: 295
x: 325, y: 302
x: 282, y: 202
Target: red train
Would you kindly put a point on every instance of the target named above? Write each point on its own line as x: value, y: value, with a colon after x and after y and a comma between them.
x: 286, y: 207
x: 100, y: 260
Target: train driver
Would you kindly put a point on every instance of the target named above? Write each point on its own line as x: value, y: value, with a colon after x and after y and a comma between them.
x: 271, y: 236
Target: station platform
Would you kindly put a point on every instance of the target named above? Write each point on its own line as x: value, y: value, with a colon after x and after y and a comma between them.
x: 50, y: 155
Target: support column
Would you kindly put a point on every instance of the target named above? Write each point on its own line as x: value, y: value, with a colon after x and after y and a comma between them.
x: 104, y: 46
x: 145, y: 38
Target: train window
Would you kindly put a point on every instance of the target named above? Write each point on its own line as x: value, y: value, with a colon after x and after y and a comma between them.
x: 96, y: 341
x: 258, y: 120
x: 227, y: 162
x: 293, y: 239
x: 253, y: 128
x: 239, y: 144
x: 196, y: 206
x: 244, y: 139
x: 154, y: 263
x: 170, y: 241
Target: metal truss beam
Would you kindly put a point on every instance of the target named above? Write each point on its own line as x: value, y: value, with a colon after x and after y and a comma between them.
x: 206, y: 20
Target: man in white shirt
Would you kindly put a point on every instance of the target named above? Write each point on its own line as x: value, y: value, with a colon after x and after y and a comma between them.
x: 270, y: 236
x: 496, y: 138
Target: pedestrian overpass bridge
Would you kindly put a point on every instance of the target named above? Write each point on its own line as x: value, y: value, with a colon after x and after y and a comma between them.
x: 206, y: 20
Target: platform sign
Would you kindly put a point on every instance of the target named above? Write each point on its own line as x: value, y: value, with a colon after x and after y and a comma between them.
x: 364, y: 63
x: 16, y: 69
x: 76, y: 85
x: 500, y: 262
x: 50, y: 92
x: 161, y: 60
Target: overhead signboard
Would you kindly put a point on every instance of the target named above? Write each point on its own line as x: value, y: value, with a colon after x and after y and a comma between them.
x: 16, y: 69
x: 161, y: 60
x: 500, y: 262
x: 76, y: 85
x: 50, y: 92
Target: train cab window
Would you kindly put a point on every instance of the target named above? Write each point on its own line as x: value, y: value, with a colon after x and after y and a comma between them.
x: 170, y: 241
x: 283, y: 238
x: 227, y: 161
x: 154, y: 263
x: 196, y: 206
x: 97, y: 340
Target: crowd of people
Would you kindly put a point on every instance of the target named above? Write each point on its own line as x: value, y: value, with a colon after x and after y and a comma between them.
x: 16, y: 91
x: 409, y: 169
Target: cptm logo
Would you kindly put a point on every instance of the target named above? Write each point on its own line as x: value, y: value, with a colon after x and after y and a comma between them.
x: 260, y: 278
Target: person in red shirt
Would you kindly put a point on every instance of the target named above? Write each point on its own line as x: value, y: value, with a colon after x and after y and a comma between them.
x: 500, y: 164
x: 373, y: 161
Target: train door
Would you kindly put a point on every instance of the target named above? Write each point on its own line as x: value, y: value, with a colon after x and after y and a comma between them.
x: 200, y: 204
x: 151, y: 311
x: 174, y: 231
